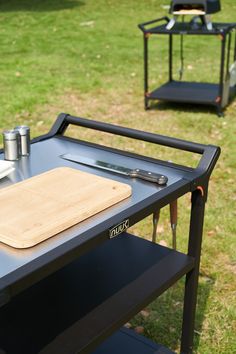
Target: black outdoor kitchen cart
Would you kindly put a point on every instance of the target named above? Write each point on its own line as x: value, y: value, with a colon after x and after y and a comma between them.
x: 75, y: 291
x: 215, y: 94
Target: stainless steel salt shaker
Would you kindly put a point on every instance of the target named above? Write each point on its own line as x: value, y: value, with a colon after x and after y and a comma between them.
x: 24, y: 132
x: 11, y: 144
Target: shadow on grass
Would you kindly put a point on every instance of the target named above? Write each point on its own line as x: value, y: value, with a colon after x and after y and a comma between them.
x: 164, y: 325
x: 38, y: 5
x: 185, y: 108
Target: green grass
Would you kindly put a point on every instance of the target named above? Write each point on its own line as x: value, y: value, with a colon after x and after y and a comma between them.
x: 86, y: 58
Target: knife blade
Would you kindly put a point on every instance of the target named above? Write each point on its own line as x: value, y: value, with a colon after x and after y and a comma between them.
x: 103, y: 165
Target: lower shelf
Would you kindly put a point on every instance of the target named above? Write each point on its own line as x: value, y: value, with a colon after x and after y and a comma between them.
x: 126, y: 341
x: 79, y: 306
x: 187, y: 92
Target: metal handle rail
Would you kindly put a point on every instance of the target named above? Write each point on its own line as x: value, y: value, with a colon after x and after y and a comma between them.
x: 201, y: 173
x: 142, y: 25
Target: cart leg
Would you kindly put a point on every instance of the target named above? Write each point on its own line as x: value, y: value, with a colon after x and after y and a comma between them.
x: 191, y: 283
x: 220, y: 112
x: 145, y: 42
x: 222, y: 75
x: 146, y: 105
x: 170, y: 57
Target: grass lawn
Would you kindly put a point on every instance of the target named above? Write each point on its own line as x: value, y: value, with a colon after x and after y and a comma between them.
x: 86, y: 58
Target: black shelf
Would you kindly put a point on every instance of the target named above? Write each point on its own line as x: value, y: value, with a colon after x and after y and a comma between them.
x: 188, y: 92
x: 126, y: 341
x: 78, y: 307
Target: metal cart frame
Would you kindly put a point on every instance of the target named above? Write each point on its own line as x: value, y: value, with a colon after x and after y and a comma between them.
x: 217, y: 95
x: 141, y: 291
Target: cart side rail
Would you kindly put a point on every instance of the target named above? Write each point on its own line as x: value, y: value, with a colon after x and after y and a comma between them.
x: 201, y: 173
x: 144, y: 24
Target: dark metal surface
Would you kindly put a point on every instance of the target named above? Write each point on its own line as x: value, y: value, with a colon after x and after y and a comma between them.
x: 126, y: 341
x: 90, y: 297
x: 128, y: 301
x: 45, y: 155
x: 189, y: 92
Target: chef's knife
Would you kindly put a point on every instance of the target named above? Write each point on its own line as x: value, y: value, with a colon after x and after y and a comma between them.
x: 103, y: 165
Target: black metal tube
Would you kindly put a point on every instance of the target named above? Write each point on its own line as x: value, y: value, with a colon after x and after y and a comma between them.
x: 222, y: 66
x: 138, y: 134
x: 228, y: 57
x: 142, y: 25
x: 191, y: 284
x: 145, y: 47
x: 234, y: 53
x: 170, y: 56
x: 181, y: 70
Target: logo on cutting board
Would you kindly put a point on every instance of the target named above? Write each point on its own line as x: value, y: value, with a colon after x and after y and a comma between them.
x: 118, y: 229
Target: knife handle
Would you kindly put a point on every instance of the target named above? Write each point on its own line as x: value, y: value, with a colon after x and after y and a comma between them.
x: 149, y: 176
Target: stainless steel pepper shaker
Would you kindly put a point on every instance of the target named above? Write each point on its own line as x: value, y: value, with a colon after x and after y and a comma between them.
x: 11, y: 144
x: 24, y: 132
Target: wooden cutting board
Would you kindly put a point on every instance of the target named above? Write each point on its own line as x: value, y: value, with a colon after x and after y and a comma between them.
x: 40, y: 207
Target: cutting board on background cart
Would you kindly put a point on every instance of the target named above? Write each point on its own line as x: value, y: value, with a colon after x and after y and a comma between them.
x: 42, y: 206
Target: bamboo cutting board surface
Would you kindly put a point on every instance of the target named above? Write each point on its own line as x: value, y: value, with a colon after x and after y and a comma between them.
x: 40, y: 207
